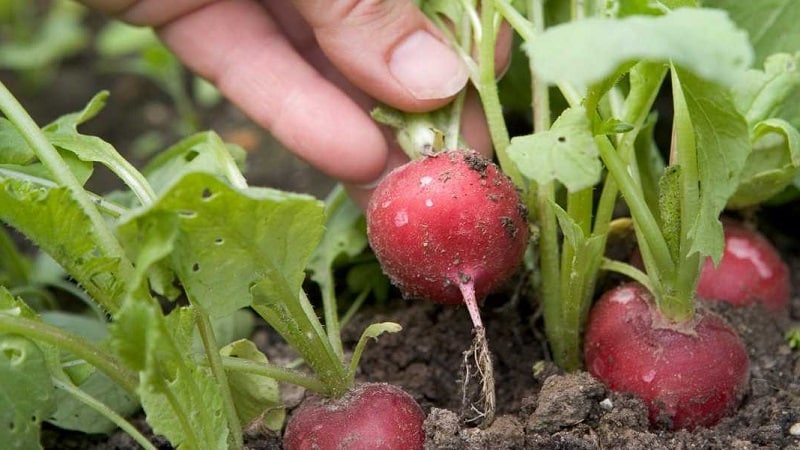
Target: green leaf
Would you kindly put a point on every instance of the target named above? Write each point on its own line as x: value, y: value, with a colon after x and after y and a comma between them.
x: 227, y: 239
x: 70, y: 412
x: 771, y: 24
x: 56, y: 223
x: 70, y: 122
x: 13, y: 147
x: 63, y: 133
x: 201, y: 152
x: 566, y: 152
x: 771, y: 166
x: 26, y: 393
x: 257, y: 398
x: 585, y: 52
x: 344, y: 237
x: 720, y: 145
x: 772, y: 92
x: 181, y: 398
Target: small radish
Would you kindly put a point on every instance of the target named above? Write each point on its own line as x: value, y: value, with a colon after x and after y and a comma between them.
x: 689, y: 374
x: 370, y: 416
x: 447, y: 221
x: 450, y: 227
x: 751, y: 271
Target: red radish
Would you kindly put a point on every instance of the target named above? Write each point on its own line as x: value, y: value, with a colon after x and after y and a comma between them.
x: 445, y: 221
x: 690, y: 374
x: 370, y: 416
x: 451, y: 228
x: 751, y: 271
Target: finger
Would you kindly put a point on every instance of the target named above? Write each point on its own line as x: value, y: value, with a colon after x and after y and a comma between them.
x: 236, y: 45
x: 389, y: 49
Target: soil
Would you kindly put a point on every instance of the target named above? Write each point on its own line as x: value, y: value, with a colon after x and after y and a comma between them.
x: 538, y: 406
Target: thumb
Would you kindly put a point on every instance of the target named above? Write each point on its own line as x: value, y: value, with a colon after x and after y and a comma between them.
x: 388, y: 49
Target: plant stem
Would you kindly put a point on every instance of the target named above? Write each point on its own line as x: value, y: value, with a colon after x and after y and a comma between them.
x: 47, y: 154
x: 490, y: 98
x: 78, y: 345
x: 275, y: 372
x: 215, y: 363
x: 107, y: 412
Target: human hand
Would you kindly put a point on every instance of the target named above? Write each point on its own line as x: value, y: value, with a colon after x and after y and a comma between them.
x: 309, y: 71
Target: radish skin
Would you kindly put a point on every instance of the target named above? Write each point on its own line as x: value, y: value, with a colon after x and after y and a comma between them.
x: 689, y: 375
x: 370, y: 416
x: 751, y: 271
x: 445, y: 220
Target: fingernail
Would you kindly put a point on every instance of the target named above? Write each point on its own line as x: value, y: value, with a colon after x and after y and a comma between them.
x: 427, y: 67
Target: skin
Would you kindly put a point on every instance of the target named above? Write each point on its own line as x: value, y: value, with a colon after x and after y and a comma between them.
x: 293, y: 66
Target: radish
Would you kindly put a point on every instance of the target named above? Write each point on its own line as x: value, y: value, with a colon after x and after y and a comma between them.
x: 751, y: 271
x: 370, y: 416
x: 447, y: 223
x: 689, y: 374
x: 450, y: 227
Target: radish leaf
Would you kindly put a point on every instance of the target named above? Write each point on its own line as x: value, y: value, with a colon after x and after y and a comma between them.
x: 257, y: 398
x: 587, y: 51
x: 567, y: 152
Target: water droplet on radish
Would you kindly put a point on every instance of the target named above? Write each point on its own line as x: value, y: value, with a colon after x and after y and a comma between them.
x: 426, y: 180
x: 401, y: 218
x: 649, y: 376
x: 428, y: 202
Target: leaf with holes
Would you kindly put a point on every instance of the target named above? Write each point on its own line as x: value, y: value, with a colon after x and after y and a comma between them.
x: 567, y: 152
x: 228, y: 240
x: 26, y: 393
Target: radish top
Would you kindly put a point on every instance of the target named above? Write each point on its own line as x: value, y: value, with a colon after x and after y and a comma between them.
x: 446, y: 219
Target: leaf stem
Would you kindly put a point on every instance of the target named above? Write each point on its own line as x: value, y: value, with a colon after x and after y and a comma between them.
x: 215, y: 363
x: 107, y: 412
x: 490, y: 98
x: 78, y: 345
x: 275, y: 372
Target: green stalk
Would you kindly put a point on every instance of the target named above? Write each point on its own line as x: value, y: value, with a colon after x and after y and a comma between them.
x: 490, y: 98
x: 107, y: 412
x: 647, y: 226
x: 106, y: 241
x: 296, y: 321
x: 277, y: 373
x: 215, y: 363
x: 77, y: 345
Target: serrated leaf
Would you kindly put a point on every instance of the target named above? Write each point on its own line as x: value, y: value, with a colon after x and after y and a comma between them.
x: 771, y: 24
x: 585, y: 52
x: 229, y: 240
x: 720, y: 140
x: 26, y: 392
x: 57, y: 224
x: 566, y: 152
x: 257, y: 398
x: 181, y: 399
